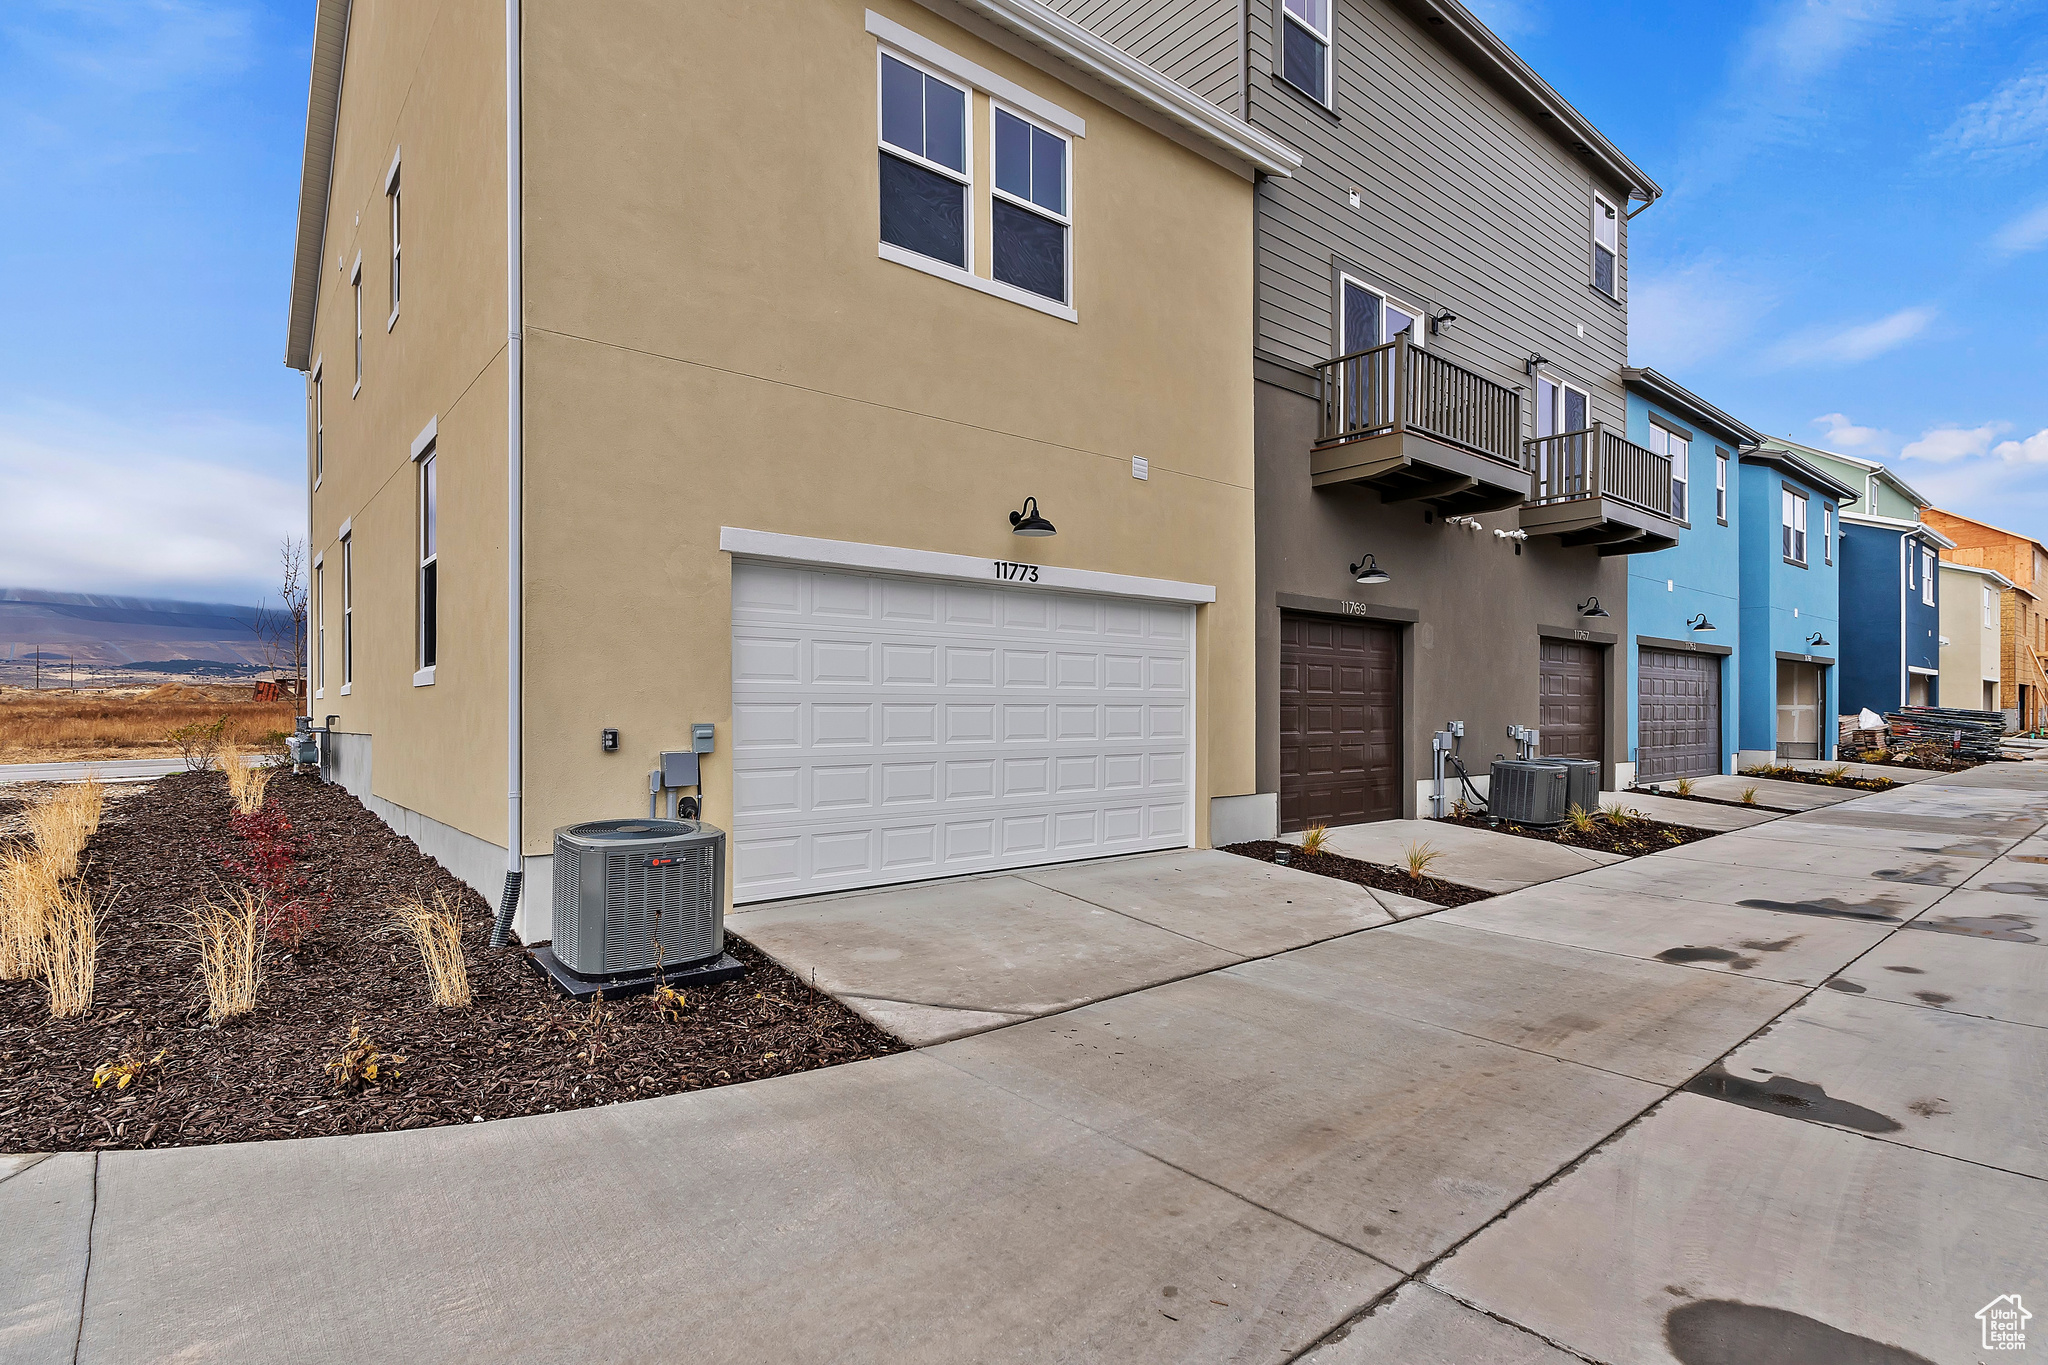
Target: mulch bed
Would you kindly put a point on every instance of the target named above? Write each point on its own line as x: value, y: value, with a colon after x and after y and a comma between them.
x: 1925, y: 763
x: 519, y: 1048
x: 1847, y: 781
x: 1432, y: 889
x: 1715, y: 801
x: 1639, y: 836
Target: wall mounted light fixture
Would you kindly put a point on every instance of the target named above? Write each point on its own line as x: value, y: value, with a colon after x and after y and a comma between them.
x: 1699, y: 622
x: 1028, y: 522
x: 1534, y: 362
x: 1367, y: 570
x: 1591, y: 607
x: 1816, y: 639
x: 1439, y: 321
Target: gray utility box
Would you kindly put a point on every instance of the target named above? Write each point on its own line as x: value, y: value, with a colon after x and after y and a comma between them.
x: 620, y: 884
x: 1527, y: 791
x: 1582, y: 782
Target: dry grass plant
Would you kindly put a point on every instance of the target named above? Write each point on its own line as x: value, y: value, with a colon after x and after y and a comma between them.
x: 29, y: 886
x: 63, y: 822
x: 246, y: 784
x: 1749, y: 796
x: 1622, y: 817
x: 1684, y: 786
x: 1420, y: 856
x: 1579, y: 819
x: 1314, y: 838
x: 71, y: 944
x: 437, y: 930
x: 229, y: 936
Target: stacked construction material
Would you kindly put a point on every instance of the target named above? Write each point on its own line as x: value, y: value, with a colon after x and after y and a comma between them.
x: 1966, y: 734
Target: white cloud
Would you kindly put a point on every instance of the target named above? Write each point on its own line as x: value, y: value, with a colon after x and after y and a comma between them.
x: 2012, y: 124
x: 1845, y: 436
x: 2024, y: 233
x: 1854, y: 344
x: 1682, y: 316
x: 88, y: 505
x: 2032, y: 450
x: 1944, y: 444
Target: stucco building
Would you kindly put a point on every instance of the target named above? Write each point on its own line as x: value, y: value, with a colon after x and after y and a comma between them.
x: 2023, y: 615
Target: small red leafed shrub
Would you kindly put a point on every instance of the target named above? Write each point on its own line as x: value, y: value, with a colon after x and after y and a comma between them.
x: 268, y: 859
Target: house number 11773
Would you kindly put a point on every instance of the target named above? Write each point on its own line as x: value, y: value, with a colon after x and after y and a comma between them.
x: 1015, y: 573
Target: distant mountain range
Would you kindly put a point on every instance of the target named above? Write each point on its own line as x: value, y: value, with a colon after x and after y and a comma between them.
x: 119, y: 631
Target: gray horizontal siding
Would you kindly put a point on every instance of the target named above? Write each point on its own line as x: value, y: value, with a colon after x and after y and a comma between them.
x: 1192, y: 41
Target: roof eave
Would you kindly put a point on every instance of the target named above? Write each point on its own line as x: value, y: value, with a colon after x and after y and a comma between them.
x: 1677, y: 397
x: 316, y: 177
x: 1811, y: 474
x: 1080, y: 49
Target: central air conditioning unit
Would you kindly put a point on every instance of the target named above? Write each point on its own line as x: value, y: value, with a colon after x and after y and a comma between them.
x: 1528, y: 791
x: 1582, y: 782
x: 621, y: 885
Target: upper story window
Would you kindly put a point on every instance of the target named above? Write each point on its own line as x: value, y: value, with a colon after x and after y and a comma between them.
x: 391, y: 194
x: 356, y: 286
x: 1827, y: 533
x: 1606, y: 245
x: 1795, y: 526
x: 1678, y: 449
x: 1721, y: 486
x: 1927, y: 576
x: 924, y: 163
x: 1371, y: 318
x: 1560, y: 408
x: 319, y: 628
x: 1306, y: 46
x: 348, y: 613
x: 319, y: 422
x: 1028, y: 209
x: 1990, y: 607
x: 430, y: 560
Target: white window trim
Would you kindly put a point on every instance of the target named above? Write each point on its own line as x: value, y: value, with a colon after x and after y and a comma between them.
x: 1418, y: 333
x: 423, y: 450
x: 1065, y: 220
x: 964, y: 177
x: 423, y: 678
x: 848, y: 554
x: 1721, y: 486
x: 319, y: 625
x: 319, y: 382
x: 1791, y: 501
x: 915, y: 45
x: 889, y: 251
x: 1596, y: 245
x: 1327, y: 39
x: 1827, y: 533
x: 1927, y: 563
x: 355, y: 283
x: 428, y: 435
x: 1681, y: 465
x: 348, y: 609
x: 392, y: 187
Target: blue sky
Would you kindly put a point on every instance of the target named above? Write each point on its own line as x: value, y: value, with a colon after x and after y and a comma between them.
x: 1852, y: 250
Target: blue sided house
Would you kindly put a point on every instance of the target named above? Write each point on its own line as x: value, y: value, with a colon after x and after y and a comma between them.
x: 1891, y: 589
x: 1732, y: 654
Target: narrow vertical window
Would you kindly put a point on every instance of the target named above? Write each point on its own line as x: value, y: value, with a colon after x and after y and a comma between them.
x: 1927, y: 576
x: 1990, y: 608
x: 319, y: 629
x: 1305, y: 47
x: 348, y: 611
x: 1029, y: 214
x: 319, y: 424
x: 1721, y: 486
x: 1795, y: 527
x: 1678, y: 450
x: 391, y: 193
x: 429, y: 560
x: 923, y: 163
x: 1827, y: 533
x: 1606, y: 245
x: 356, y: 285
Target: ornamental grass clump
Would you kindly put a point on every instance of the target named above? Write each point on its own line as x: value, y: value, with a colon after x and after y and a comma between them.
x: 437, y: 930
x: 1749, y: 796
x: 361, y: 1063
x: 1314, y: 838
x: 1420, y: 856
x: 29, y: 887
x: 1579, y: 819
x: 71, y: 941
x: 228, y: 932
x: 1684, y: 787
x: 62, y: 823
x: 246, y: 784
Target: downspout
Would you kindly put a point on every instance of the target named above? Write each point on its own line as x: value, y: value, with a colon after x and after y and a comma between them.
x: 515, y: 314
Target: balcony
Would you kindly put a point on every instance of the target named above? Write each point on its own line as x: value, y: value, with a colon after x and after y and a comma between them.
x: 1596, y: 487
x: 1413, y: 427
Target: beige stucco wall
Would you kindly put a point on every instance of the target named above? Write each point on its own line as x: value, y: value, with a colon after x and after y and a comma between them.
x: 713, y: 341
x: 1971, y: 656
x: 427, y: 77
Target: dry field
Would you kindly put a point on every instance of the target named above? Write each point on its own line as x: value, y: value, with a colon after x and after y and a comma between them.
x: 51, y: 727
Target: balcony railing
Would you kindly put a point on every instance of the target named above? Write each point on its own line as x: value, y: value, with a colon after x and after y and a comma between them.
x: 1402, y: 387
x: 1596, y: 462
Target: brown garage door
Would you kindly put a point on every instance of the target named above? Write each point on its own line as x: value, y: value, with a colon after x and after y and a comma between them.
x: 1570, y: 709
x: 1340, y: 722
x: 1678, y: 707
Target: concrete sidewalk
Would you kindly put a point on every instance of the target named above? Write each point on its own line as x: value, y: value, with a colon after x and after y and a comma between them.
x: 1776, y: 1091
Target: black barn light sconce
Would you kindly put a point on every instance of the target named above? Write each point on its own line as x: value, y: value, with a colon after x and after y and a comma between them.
x: 1029, y: 523
x: 1699, y: 622
x: 1816, y: 639
x: 1591, y: 607
x: 1367, y: 570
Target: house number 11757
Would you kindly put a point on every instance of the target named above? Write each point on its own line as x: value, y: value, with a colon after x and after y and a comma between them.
x: 1015, y: 573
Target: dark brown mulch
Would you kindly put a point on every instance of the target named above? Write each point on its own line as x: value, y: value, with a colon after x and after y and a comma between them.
x: 1926, y: 763
x: 1432, y: 889
x: 1639, y: 836
x: 1714, y: 800
x: 519, y: 1049
x: 1846, y: 781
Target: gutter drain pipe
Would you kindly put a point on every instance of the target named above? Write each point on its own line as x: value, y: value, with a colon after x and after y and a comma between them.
x: 515, y: 868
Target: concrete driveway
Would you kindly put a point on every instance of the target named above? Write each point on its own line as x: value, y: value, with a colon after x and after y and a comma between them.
x: 1525, y: 1130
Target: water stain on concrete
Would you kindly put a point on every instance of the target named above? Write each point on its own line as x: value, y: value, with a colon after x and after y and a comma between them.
x: 1771, y: 945
x: 1935, y: 998
x: 1726, y: 1332
x: 2034, y: 889
x: 2026, y: 858
x: 1835, y: 983
x: 1916, y: 876
x: 1909, y: 971
x: 2005, y: 928
x: 1688, y: 954
x: 1791, y: 1097
x: 1963, y: 848
x: 1828, y: 907
x: 1927, y: 1109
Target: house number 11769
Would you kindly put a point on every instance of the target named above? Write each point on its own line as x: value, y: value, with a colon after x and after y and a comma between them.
x: 1015, y: 573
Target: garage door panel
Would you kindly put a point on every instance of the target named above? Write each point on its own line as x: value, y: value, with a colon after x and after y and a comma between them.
x: 910, y: 699
x: 1678, y: 714
x: 1339, y: 722
x: 1571, y: 701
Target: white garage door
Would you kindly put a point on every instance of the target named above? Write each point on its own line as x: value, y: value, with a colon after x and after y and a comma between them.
x: 891, y: 728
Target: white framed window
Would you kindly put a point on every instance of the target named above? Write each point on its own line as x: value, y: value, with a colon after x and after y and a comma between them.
x: 1306, y: 46
x: 1677, y: 449
x: 1030, y: 205
x: 1795, y: 526
x: 356, y: 286
x: 348, y: 613
x: 1369, y: 317
x: 429, y: 565
x: 319, y: 421
x: 1827, y: 533
x: 1561, y: 408
x: 1927, y: 576
x: 1721, y: 486
x: 392, y: 196
x: 1606, y: 245
x: 1990, y: 607
x: 925, y: 174
x: 319, y: 627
